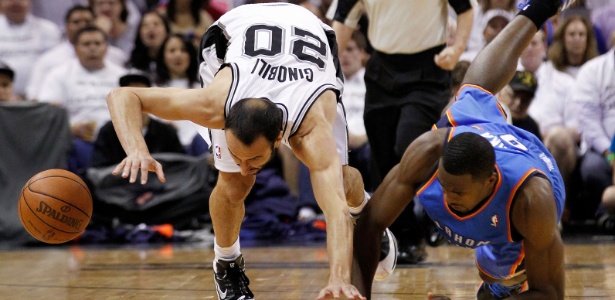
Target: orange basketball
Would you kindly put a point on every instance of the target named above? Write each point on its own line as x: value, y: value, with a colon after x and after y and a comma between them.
x: 55, y: 206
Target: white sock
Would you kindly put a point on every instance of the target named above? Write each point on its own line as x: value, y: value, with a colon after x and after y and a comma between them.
x: 227, y: 253
x: 354, y: 211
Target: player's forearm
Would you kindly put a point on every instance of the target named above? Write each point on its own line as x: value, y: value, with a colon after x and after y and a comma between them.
x: 126, y: 114
x: 339, y: 245
x: 329, y: 194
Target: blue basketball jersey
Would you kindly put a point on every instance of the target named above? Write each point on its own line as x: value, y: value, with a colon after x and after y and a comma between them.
x: 519, y: 156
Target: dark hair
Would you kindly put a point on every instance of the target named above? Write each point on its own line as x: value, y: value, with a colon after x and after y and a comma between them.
x: 76, y: 8
x: 469, y: 153
x: 557, y: 52
x: 253, y: 117
x: 139, y: 57
x: 195, y: 11
x: 162, y: 71
x: 123, y: 14
x: 89, y: 28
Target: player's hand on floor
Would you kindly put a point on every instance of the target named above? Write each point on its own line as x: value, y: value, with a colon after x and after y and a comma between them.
x: 431, y: 296
x: 336, y: 291
x: 139, y: 162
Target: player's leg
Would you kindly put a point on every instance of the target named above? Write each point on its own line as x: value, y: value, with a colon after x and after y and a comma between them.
x: 495, y: 65
x: 227, y: 210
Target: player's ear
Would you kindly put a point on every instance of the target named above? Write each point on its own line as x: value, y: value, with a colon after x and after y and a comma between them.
x: 278, y: 141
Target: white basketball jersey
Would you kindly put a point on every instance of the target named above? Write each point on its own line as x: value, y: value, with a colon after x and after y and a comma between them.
x: 277, y: 51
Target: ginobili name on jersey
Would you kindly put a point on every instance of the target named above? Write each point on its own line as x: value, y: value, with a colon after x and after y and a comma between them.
x: 281, y: 73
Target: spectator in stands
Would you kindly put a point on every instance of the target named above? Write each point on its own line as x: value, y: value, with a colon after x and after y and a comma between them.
x: 81, y: 86
x: 6, y: 84
x: 533, y: 57
x: 159, y: 136
x: 594, y: 98
x: 112, y: 16
x: 77, y: 17
x: 23, y: 38
x: 518, y: 96
x: 573, y: 44
x: 153, y: 29
x: 407, y: 82
x: 178, y: 67
x: 188, y: 18
x: 476, y: 41
x: 493, y: 21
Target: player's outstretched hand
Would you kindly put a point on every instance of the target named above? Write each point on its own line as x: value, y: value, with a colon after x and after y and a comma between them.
x: 143, y: 162
x: 337, y: 290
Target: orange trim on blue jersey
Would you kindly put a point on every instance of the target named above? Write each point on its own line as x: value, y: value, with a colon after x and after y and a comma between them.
x: 483, y: 271
x: 513, y: 268
x: 450, y: 118
x: 474, y: 86
x: 434, y: 127
x: 450, y: 134
x: 512, y: 196
x: 433, y: 177
x: 477, y: 127
x: 502, y: 110
x: 495, y: 191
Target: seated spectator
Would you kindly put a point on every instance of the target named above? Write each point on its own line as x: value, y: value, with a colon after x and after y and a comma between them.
x: 77, y: 17
x: 476, y: 41
x: 152, y: 31
x: 117, y: 21
x: 594, y: 98
x: 533, y: 57
x: 606, y: 221
x: 573, y: 45
x: 159, y: 136
x: 178, y: 67
x: 81, y: 86
x: 493, y: 21
x: 6, y: 84
x: 188, y: 18
x: 518, y: 96
x: 23, y: 38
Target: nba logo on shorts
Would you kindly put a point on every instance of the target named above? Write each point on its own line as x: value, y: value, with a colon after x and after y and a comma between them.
x: 217, y: 152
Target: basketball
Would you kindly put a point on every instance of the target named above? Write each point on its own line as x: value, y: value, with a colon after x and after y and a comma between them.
x: 55, y: 206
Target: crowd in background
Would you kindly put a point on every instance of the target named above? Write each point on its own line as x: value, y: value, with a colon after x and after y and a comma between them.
x: 72, y: 53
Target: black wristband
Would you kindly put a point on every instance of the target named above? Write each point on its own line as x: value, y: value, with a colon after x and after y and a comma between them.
x: 539, y: 11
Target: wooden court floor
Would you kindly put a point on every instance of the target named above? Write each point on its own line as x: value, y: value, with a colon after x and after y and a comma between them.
x: 276, y: 272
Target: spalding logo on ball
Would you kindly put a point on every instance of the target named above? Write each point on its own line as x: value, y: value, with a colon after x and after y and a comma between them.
x: 55, y: 206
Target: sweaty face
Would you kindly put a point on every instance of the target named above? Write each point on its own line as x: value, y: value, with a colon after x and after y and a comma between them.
x: 252, y: 158
x: 463, y: 193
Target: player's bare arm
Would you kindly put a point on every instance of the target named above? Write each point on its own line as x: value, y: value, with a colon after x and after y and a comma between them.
x: 392, y: 196
x: 202, y: 106
x: 534, y: 216
x: 314, y: 145
x: 497, y: 62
